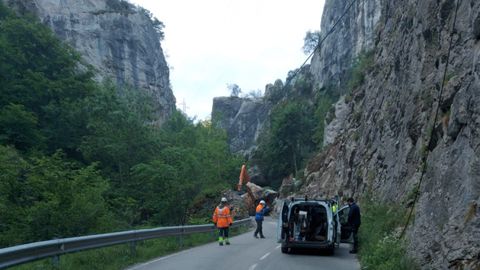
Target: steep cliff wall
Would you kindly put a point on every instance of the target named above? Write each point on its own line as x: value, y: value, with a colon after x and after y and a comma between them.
x: 243, y: 120
x: 391, y: 115
x: 118, y: 39
x: 354, y: 34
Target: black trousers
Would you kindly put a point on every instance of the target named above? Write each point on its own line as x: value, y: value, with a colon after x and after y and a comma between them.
x: 223, y: 232
x: 259, y: 228
x: 355, y: 238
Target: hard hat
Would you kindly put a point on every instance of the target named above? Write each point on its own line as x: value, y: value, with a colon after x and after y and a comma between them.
x: 223, y: 199
x: 262, y: 202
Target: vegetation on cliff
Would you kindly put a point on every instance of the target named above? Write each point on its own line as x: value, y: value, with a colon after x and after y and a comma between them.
x: 381, y: 247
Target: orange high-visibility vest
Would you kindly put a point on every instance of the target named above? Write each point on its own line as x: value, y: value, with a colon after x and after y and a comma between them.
x: 259, y: 208
x: 222, y: 217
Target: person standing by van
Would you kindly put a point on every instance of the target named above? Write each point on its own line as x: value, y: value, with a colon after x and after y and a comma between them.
x: 354, y: 221
x: 260, y: 212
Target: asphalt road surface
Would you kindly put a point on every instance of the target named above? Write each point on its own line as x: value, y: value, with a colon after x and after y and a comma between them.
x: 248, y: 253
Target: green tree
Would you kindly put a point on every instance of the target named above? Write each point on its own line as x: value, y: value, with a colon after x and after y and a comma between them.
x: 234, y: 89
x: 288, y: 141
x: 120, y: 133
x: 40, y: 73
x: 19, y: 128
x: 45, y: 197
x: 310, y: 41
x: 360, y: 67
x: 323, y: 105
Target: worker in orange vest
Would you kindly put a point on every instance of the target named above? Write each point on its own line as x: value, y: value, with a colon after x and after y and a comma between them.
x: 223, y: 220
x: 260, y: 211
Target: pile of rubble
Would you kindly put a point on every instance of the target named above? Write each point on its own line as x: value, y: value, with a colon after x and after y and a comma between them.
x: 245, y: 201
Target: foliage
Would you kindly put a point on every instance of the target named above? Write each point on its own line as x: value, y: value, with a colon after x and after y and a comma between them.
x: 287, y: 142
x: 41, y: 88
x: 380, y: 247
x: 362, y: 64
x: 80, y: 158
x: 157, y: 24
x: 310, y: 41
x: 234, y: 89
x: 296, y: 127
x: 303, y: 84
x: 254, y: 94
x: 47, y: 197
x: 18, y: 127
x: 323, y: 105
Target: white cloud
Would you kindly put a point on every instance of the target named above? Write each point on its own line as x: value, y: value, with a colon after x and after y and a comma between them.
x: 212, y: 43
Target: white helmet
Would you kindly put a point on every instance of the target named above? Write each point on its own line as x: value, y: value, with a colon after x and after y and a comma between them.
x: 262, y: 202
x: 223, y: 199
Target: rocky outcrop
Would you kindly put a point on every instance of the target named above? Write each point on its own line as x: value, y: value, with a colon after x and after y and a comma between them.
x: 243, y: 120
x: 393, y: 112
x: 331, y: 63
x: 337, y: 125
x: 121, y: 41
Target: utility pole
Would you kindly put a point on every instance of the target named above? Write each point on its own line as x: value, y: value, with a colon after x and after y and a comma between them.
x: 183, y: 107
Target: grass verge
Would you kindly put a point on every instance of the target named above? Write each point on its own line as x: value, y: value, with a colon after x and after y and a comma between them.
x: 122, y: 256
x: 380, y: 246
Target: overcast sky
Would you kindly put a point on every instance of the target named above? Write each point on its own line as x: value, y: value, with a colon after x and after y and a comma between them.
x: 212, y: 43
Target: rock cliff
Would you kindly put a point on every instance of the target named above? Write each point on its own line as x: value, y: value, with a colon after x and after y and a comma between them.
x: 120, y: 40
x: 419, y: 64
x: 243, y: 120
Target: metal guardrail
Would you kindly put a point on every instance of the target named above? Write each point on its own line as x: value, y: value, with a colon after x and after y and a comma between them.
x: 29, y: 252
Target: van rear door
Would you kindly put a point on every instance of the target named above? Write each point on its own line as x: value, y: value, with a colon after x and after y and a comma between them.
x: 282, y: 225
x: 346, y: 231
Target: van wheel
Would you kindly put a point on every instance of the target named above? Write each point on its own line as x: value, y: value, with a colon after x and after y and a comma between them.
x: 285, y: 250
x: 331, y: 250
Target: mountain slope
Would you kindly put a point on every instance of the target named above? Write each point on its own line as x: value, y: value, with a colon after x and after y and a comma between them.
x: 393, y: 122
x: 120, y: 40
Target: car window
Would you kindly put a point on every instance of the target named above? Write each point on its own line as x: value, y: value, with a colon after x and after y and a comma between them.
x: 343, y: 215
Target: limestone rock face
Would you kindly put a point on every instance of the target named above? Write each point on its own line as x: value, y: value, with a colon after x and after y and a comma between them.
x: 392, y: 113
x: 242, y: 118
x: 337, y: 125
x: 353, y: 35
x: 117, y: 38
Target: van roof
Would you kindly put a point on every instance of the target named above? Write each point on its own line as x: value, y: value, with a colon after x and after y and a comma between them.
x: 310, y: 200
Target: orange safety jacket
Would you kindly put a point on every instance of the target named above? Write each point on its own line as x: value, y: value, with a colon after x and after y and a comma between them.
x: 259, y: 212
x: 222, y: 217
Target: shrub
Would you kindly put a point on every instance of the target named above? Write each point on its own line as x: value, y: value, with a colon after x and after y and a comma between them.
x: 360, y: 67
x: 380, y: 247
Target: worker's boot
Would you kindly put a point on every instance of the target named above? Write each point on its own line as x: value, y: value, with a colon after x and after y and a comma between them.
x: 220, y: 241
x: 227, y: 242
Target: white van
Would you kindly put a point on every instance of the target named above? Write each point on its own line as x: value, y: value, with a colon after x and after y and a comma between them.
x: 312, y: 224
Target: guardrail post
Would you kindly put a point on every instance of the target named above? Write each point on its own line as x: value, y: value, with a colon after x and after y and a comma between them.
x: 214, y: 233
x: 133, y: 248
x: 180, y: 238
x: 56, y: 262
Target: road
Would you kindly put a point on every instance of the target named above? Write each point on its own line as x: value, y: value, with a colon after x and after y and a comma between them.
x: 248, y: 253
